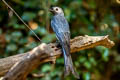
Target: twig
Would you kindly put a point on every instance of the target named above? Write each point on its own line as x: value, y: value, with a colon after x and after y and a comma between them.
x: 20, y: 19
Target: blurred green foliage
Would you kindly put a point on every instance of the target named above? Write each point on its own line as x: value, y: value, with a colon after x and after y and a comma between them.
x: 86, y: 17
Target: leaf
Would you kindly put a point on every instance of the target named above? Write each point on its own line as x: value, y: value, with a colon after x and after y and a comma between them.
x: 11, y: 47
x: 27, y: 16
x: 86, y: 76
x: 82, y: 59
x: 16, y: 34
x: 87, y: 64
x: 46, y: 68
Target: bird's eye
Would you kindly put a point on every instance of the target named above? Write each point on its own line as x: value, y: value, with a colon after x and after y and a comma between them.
x: 56, y: 9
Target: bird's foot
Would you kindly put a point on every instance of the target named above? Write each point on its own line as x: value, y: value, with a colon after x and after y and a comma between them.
x: 58, y: 44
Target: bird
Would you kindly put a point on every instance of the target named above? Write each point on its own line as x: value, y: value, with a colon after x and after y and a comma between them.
x: 60, y: 26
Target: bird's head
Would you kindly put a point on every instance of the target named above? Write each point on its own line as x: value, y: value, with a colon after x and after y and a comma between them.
x: 56, y: 10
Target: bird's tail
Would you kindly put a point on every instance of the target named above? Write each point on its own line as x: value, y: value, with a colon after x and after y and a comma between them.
x: 68, y: 62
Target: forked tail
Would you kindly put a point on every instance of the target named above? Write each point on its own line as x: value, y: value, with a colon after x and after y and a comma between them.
x: 68, y: 63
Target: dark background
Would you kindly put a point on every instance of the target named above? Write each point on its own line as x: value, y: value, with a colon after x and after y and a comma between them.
x: 86, y: 17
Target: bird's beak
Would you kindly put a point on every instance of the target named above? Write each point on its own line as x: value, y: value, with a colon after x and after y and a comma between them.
x: 51, y: 10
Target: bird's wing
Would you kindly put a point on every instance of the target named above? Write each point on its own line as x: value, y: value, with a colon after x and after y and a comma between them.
x: 63, y: 37
x: 61, y: 28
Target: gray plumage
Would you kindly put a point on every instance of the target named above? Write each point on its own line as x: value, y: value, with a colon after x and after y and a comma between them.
x: 61, y: 27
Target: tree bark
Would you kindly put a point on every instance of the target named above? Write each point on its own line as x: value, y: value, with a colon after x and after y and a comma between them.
x: 19, y: 66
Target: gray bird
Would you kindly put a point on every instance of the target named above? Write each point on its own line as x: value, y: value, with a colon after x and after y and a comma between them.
x: 60, y: 26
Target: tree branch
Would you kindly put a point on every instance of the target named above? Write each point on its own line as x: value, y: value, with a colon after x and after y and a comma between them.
x: 23, y: 64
